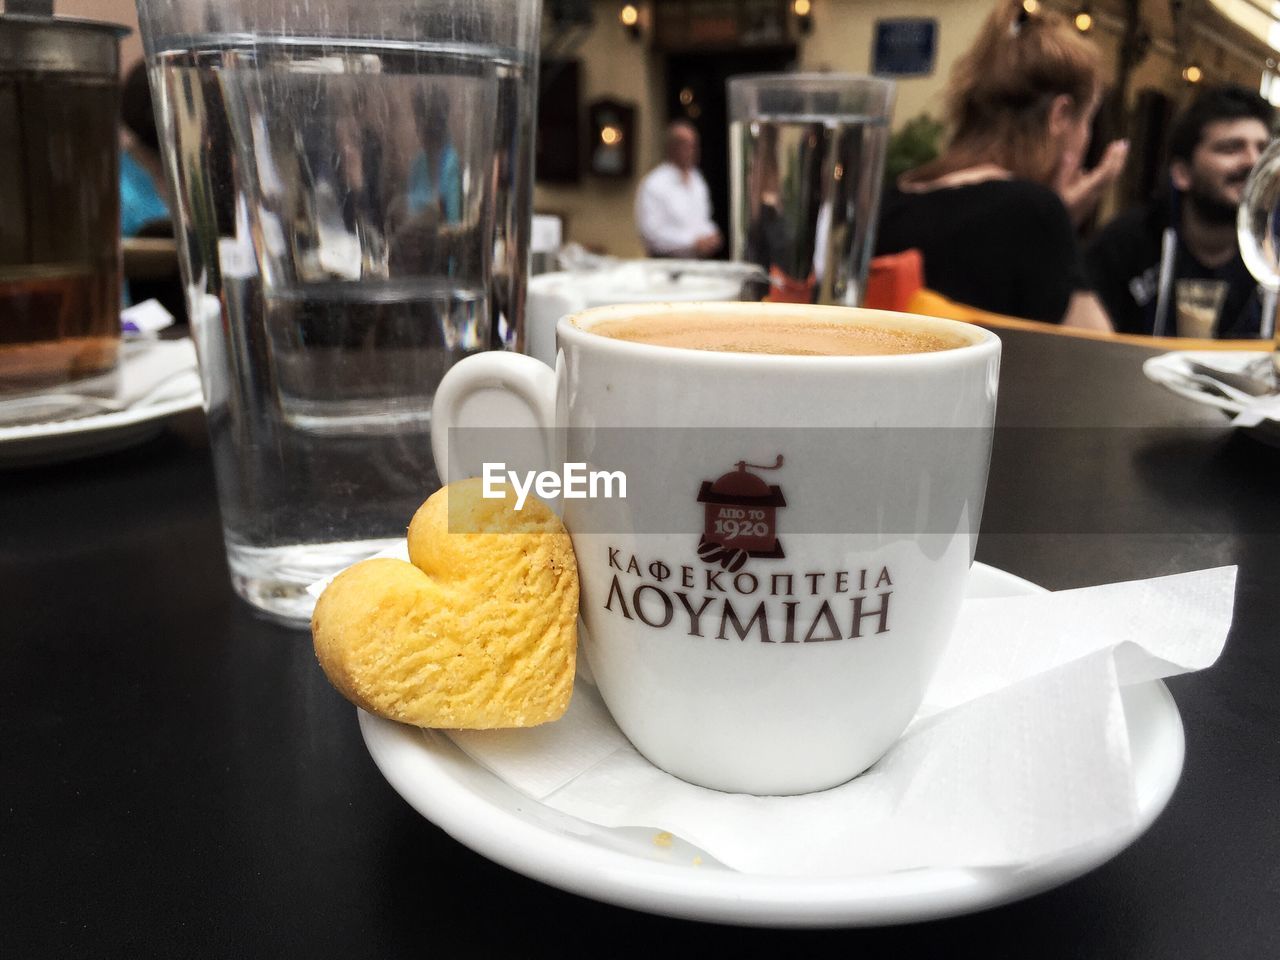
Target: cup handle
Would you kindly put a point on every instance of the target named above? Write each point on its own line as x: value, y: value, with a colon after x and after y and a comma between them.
x: 494, y: 390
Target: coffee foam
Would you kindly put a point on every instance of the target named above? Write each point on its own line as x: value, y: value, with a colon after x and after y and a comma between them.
x: 776, y: 335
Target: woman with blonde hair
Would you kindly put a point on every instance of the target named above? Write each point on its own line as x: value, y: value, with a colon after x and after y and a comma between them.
x: 993, y: 215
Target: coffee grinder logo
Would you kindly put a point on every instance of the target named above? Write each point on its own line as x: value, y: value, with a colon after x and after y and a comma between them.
x: 767, y: 604
x: 740, y: 517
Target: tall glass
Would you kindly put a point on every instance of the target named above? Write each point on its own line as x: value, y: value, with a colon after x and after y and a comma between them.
x: 806, y: 161
x: 352, y: 184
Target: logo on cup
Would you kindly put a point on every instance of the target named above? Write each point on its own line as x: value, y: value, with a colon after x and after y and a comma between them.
x: 741, y: 517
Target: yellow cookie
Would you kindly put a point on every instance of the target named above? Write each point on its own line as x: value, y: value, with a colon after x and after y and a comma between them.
x: 478, y: 631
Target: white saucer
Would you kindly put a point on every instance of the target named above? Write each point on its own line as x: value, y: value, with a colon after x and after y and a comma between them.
x: 626, y: 867
x: 36, y: 444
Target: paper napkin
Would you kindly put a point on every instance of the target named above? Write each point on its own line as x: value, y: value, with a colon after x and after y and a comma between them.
x: 145, y: 319
x: 1019, y: 754
x: 157, y: 371
x: 1256, y: 411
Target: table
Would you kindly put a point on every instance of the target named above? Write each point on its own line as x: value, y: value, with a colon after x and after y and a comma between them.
x: 181, y: 781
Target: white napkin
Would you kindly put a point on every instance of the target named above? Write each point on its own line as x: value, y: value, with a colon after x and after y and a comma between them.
x: 1175, y: 371
x: 145, y: 319
x: 1020, y: 753
x: 158, y: 371
x: 1256, y: 411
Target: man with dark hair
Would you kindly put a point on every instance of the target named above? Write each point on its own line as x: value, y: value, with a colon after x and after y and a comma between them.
x: 1186, y: 241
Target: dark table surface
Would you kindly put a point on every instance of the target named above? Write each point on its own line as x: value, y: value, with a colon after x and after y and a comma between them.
x: 181, y: 781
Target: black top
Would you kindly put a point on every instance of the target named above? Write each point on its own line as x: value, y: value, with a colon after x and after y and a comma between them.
x: 181, y: 781
x: 1005, y: 246
x: 1123, y: 263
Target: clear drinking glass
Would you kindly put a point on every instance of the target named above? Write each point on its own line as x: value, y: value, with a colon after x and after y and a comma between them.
x: 352, y: 184
x: 1199, y: 302
x: 806, y: 162
x: 59, y: 201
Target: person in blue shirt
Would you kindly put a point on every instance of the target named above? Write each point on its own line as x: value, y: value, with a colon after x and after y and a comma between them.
x: 435, y: 179
x: 142, y: 200
x: 144, y: 207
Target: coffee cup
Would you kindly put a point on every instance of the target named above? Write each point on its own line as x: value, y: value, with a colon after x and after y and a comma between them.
x: 764, y: 607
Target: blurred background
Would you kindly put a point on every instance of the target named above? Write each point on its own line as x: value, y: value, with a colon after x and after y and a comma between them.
x: 614, y: 74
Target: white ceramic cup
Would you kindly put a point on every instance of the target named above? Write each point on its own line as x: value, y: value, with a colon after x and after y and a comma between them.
x: 765, y: 608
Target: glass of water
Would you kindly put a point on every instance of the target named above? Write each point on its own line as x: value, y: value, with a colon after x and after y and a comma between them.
x: 806, y: 162
x: 352, y: 184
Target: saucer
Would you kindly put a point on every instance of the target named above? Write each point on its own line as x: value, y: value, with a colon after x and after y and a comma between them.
x: 634, y: 867
x: 36, y: 444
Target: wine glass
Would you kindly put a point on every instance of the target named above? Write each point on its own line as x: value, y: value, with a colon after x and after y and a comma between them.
x: 1258, y: 228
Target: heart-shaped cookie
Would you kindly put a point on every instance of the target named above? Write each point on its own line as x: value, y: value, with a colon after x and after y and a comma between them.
x: 478, y: 631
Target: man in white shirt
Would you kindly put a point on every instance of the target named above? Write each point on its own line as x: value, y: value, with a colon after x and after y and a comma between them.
x: 673, y: 205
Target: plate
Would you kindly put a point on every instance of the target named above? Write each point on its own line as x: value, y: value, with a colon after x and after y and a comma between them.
x: 625, y: 867
x: 168, y: 363
x: 46, y: 443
